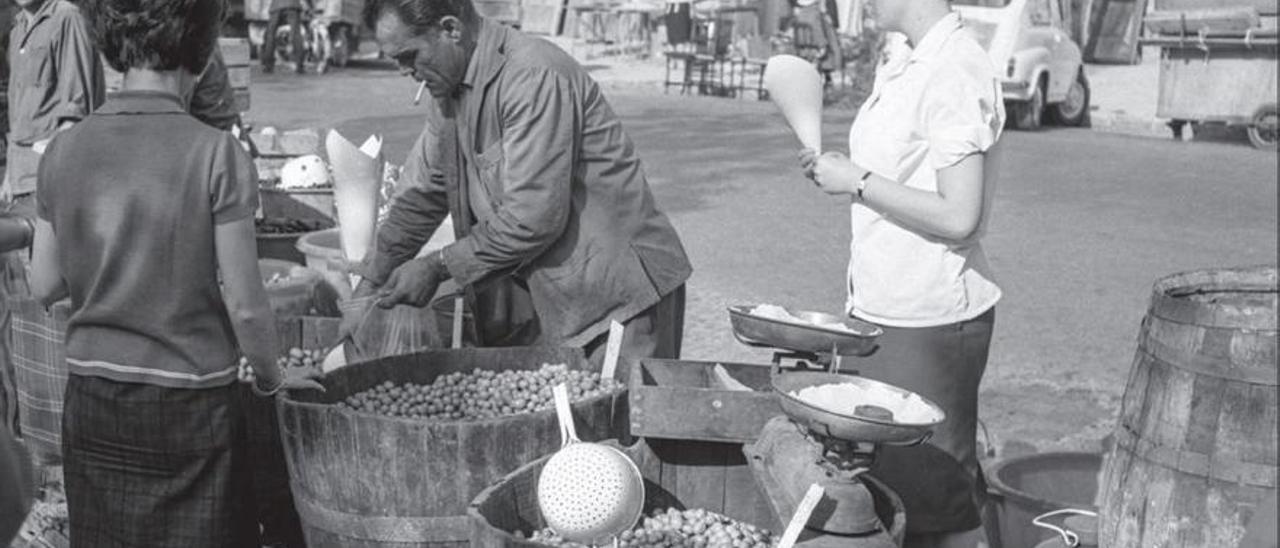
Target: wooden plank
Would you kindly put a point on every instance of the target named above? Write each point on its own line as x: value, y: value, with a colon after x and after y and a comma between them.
x: 239, y: 77
x: 235, y: 51
x: 503, y: 11
x: 1264, y: 7
x: 1213, y: 20
x: 542, y: 16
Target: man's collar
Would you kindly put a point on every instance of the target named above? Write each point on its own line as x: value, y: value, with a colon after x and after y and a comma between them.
x: 937, y: 36
x: 143, y: 102
x: 45, y: 11
x: 490, y: 43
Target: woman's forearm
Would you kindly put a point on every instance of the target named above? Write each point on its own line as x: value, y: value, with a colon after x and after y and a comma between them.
x: 255, y: 329
x: 953, y: 212
x: 920, y: 210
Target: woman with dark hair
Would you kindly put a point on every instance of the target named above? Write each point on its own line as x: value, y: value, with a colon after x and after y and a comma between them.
x: 920, y: 178
x: 146, y: 223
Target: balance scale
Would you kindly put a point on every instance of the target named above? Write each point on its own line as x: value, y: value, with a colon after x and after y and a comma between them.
x: 811, y: 445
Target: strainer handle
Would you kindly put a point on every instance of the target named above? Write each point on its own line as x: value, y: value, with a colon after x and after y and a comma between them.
x: 568, y: 433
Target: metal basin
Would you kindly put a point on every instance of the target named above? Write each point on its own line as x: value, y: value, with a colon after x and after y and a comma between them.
x: 848, y: 427
x: 754, y: 330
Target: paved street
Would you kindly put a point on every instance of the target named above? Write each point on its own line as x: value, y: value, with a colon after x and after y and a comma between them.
x: 1083, y: 224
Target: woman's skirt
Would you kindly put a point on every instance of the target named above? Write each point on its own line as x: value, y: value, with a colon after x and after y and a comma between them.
x: 940, y: 482
x: 146, y: 466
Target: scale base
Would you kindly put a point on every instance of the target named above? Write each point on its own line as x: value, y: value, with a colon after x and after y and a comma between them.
x: 785, y: 461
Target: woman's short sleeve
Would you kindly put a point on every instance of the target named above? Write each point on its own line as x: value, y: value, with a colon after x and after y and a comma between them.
x: 962, y: 115
x: 234, y: 182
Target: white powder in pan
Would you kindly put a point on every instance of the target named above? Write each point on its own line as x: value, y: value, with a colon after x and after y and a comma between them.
x: 843, y: 398
x: 775, y: 312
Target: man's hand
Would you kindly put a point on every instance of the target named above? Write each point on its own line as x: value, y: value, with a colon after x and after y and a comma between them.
x: 414, y: 283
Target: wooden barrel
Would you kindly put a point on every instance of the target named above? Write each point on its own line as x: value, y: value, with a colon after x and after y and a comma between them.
x: 505, y: 514
x: 365, y: 480
x: 1195, y: 445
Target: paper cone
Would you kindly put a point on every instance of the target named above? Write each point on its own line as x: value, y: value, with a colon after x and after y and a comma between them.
x: 796, y: 87
x: 357, y: 177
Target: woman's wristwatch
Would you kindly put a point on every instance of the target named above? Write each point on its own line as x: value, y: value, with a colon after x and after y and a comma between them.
x: 862, y: 183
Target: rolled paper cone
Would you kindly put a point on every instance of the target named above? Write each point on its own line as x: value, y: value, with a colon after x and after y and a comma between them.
x: 796, y: 87
x: 357, y: 177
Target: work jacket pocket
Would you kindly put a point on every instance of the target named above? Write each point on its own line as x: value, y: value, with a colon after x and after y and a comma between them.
x: 490, y: 165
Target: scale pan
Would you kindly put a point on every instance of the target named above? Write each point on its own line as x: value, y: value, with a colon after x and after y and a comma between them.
x: 849, y: 427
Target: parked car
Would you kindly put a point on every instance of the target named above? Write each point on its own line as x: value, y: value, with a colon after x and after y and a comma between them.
x: 1043, y: 69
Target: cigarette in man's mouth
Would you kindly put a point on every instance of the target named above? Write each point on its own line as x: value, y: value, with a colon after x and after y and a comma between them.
x: 418, y: 98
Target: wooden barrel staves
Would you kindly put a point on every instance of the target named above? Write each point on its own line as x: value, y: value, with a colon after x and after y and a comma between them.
x: 363, y: 480
x: 1195, y: 446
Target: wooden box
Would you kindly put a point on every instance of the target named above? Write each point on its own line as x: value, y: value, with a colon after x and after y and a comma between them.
x: 682, y: 400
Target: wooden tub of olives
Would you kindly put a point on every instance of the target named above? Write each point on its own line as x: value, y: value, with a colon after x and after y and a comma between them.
x: 380, y: 476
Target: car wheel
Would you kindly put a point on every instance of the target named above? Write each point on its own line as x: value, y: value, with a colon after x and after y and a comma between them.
x: 1264, y: 128
x: 1074, y: 110
x: 1027, y: 114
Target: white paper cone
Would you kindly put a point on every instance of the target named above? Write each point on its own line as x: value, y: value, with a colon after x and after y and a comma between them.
x: 796, y: 87
x: 357, y: 176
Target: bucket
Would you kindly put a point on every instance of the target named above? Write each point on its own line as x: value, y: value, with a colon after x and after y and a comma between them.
x: 1023, y: 488
x: 322, y: 251
x: 1195, y: 444
x: 297, y: 293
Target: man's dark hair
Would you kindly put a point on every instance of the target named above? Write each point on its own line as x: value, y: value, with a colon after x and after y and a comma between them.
x: 156, y: 34
x: 418, y: 15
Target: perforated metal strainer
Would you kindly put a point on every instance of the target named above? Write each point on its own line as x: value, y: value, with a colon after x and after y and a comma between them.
x: 588, y: 492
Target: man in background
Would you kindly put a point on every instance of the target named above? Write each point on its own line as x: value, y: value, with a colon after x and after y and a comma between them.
x: 55, y: 80
x: 289, y: 11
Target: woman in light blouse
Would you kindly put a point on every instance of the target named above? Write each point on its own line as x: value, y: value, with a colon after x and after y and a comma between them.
x: 921, y: 176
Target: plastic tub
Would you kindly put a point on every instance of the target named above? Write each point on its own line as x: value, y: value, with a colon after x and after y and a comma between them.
x: 293, y: 294
x: 322, y: 252
x: 1022, y: 488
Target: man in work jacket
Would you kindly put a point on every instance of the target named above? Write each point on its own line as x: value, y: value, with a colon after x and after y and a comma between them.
x: 557, y: 231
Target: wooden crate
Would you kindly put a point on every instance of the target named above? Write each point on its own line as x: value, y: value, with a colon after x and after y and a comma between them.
x: 681, y: 400
x: 507, y: 12
x: 542, y: 16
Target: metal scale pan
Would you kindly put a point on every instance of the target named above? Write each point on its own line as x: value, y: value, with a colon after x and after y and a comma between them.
x: 849, y: 427
x: 857, y: 340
